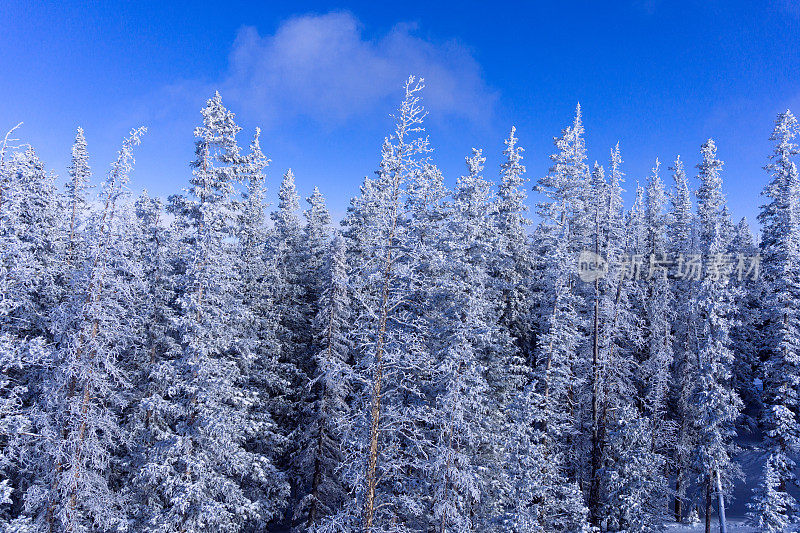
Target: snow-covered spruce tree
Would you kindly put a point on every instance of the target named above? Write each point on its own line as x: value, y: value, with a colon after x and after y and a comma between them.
x: 321, y: 454
x: 746, y: 331
x: 717, y: 404
x: 610, y: 372
x: 513, y: 262
x: 80, y: 175
x: 39, y: 230
x: 421, y: 271
x: 357, y: 220
x: 780, y: 245
x: 317, y: 239
x: 313, y: 279
x: 634, y: 476
x: 684, y: 369
x: 286, y: 246
x: 772, y: 507
x: 611, y: 368
x: 268, y: 378
x: 378, y: 461
x: 23, y: 352
x: 150, y: 368
x: 656, y: 369
x: 311, y: 257
x: 599, y: 214
x: 559, y: 238
x: 77, y: 417
x: 154, y: 251
x: 618, y: 325
x: 200, y: 474
x: 476, y: 363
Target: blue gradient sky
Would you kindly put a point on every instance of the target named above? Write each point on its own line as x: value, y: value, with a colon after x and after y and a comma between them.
x: 321, y: 80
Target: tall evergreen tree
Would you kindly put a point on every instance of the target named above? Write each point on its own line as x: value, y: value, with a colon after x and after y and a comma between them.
x: 780, y: 245
x: 379, y: 458
x: 560, y: 238
x: 515, y: 264
x: 201, y: 473
x: 717, y: 404
x: 321, y: 454
x: 78, y: 414
x: 80, y: 175
x: 684, y: 369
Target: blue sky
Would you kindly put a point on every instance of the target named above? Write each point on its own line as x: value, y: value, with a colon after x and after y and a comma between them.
x: 321, y: 80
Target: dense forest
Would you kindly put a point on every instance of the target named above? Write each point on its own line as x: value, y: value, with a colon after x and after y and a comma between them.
x: 440, y: 360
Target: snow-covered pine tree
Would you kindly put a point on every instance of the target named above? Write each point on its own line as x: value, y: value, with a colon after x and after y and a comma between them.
x: 599, y: 213
x: 780, y: 245
x: 150, y: 369
x: 422, y: 273
x: 317, y: 238
x: 772, y: 508
x: 513, y: 264
x: 268, y: 378
x: 604, y: 210
x: 23, y: 352
x: 77, y: 416
x: 611, y: 362
x: 287, y: 249
x: 312, y: 279
x: 684, y: 370
x: 717, y: 404
x: 321, y: 454
x: 478, y: 366
x: 634, y: 477
x: 559, y: 239
x: 378, y: 461
x: 637, y: 426
x: 201, y: 474
x: 39, y: 229
x: 311, y: 257
x: 80, y: 175
x: 656, y: 369
x: 746, y: 331
x: 357, y: 220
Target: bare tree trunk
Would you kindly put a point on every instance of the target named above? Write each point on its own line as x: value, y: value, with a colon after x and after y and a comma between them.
x: 723, y: 528
x: 708, y: 504
x: 678, y: 500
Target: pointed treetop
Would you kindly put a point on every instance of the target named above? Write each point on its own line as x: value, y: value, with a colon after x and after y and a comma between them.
x: 316, y: 200
x: 655, y: 178
x: 475, y: 162
x: 79, y: 169
x: 289, y: 200
x: 511, y: 142
x: 257, y: 158
x: 617, y: 176
x: 785, y: 131
x: 219, y: 128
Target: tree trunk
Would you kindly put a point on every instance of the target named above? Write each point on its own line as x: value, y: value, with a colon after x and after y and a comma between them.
x: 708, y: 504
x: 377, y: 372
x: 723, y: 528
x: 678, y: 500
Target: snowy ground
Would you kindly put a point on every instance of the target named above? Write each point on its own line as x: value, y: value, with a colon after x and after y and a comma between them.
x: 734, y: 526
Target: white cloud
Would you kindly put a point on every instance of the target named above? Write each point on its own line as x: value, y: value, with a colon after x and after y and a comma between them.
x: 322, y: 67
